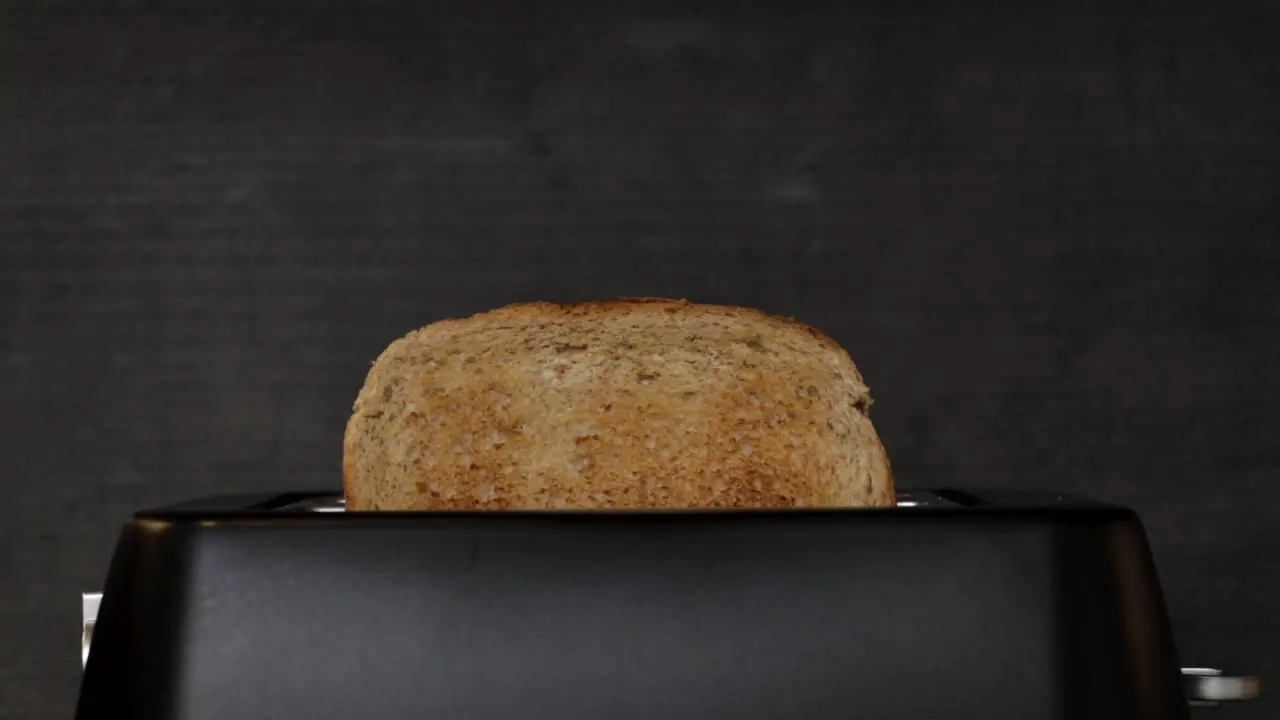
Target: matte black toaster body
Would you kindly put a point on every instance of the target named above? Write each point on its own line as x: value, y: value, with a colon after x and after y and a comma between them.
x: 952, y: 606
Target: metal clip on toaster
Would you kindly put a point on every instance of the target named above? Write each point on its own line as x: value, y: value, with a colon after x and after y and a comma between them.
x: 953, y: 605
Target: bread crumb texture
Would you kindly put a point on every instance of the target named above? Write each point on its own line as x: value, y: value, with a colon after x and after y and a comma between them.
x: 633, y: 403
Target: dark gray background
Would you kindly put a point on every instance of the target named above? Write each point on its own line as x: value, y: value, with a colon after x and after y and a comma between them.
x: 1048, y: 236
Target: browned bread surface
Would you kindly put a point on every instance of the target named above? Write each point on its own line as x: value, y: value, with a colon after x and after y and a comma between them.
x: 633, y: 403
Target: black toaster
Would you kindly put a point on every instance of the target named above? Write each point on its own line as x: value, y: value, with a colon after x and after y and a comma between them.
x: 955, y: 605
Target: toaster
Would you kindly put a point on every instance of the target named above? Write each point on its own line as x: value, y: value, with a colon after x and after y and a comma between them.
x: 955, y: 604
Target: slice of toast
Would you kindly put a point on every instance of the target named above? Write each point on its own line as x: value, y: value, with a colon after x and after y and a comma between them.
x: 635, y: 403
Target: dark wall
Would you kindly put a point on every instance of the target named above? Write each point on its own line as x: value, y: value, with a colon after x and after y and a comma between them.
x: 1048, y: 237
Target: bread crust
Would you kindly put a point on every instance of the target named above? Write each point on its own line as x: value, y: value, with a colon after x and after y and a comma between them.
x: 625, y: 403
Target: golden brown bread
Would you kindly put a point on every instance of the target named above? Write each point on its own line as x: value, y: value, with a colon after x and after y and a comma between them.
x: 636, y: 403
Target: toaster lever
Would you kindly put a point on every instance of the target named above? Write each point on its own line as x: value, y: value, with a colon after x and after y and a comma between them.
x: 1210, y: 687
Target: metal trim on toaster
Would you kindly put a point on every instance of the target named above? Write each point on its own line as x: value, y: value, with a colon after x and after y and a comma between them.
x: 89, y: 603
